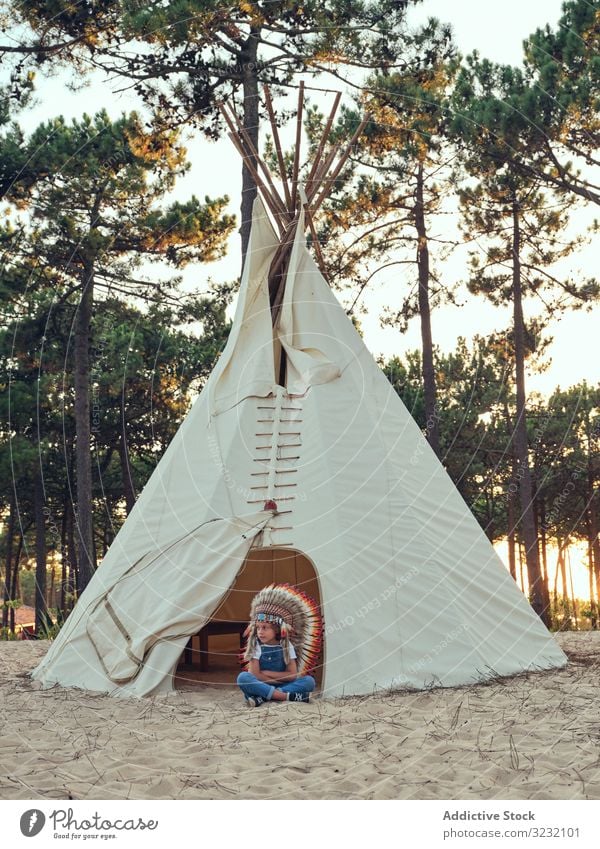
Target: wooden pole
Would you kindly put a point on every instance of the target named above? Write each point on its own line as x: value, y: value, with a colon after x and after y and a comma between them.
x: 297, y: 150
x: 315, y: 238
x: 322, y: 143
x: 284, y: 210
x: 250, y: 144
x: 259, y: 183
x: 278, y: 300
x: 279, y: 268
x: 321, y: 172
x: 344, y: 157
x: 243, y: 135
x: 279, y: 256
x: 277, y: 142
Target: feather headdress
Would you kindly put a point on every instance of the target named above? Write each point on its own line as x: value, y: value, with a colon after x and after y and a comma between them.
x: 298, y: 617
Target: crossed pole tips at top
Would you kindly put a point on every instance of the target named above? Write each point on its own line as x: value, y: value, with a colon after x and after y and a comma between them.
x: 285, y: 210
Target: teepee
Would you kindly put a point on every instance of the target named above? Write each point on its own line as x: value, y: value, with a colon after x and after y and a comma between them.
x: 299, y: 463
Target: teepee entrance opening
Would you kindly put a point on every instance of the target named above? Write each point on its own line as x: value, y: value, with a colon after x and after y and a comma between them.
x: 212, y: 655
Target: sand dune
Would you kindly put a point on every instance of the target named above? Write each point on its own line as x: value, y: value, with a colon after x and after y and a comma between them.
x: 534, y: 736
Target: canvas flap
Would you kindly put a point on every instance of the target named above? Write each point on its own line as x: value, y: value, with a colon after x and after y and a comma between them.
x: 313, y: 353
x: 169, y: 593
x: 246, y: 366
x: 112, y: 644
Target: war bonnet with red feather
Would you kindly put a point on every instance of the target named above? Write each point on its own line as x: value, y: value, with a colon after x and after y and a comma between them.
x: 298, y: 617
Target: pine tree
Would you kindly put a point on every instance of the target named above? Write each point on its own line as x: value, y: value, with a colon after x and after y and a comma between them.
x: 520, y: 233
x: 145, y: 366
x: 546, y: 111
x: 197, y: 51
x: 93, y: 213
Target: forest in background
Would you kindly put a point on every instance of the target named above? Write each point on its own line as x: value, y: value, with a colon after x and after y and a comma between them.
x: 103, y: 348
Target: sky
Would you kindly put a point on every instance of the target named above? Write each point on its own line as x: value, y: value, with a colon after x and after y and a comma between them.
x: 497, y: 31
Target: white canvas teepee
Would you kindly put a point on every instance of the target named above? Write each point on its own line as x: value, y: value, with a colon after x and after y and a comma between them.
x: 411, y: 590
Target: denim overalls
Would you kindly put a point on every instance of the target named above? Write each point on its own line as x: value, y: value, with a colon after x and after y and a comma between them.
x: 272, y: 659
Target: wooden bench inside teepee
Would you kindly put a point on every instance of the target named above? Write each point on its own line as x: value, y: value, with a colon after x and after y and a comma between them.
x: 196, y: 653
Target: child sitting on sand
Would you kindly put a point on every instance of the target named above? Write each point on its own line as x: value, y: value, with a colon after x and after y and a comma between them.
x: 275, y: 669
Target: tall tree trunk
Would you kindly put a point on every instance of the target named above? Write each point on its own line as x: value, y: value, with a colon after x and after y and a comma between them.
x: 429, y: 387
x: 512, y: 523
x: 574, y: 601
x: 591, y: 587
x: 94, y: 549
x: 248, y: 56
x: 540, y: 532
x: 52, y: 587
x: 597, y: 578
x: 544, y: 544
x: 557, y: 570
x: 537, y: 589
x: 595, y: 540
x: 42, y: 619
x: 73, y: 579
x: 512, y: 498
x: 128, y: 487
x: 83, y: 453
x: 14, y: 579
x: 566, y: 624
x: 512, y: 558
x: 594, y: 532
x: 593, y: 605
x: 109, y: 535
x: 63, y: 557
x: 521, y: 573
x: 10, y: 535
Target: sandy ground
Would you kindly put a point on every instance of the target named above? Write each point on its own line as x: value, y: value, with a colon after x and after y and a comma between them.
x: 535, y: 736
